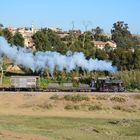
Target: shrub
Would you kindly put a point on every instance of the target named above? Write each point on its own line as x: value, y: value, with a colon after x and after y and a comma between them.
x: 101, y: 97
x: 133, y: 106
x: 76, y: 98
x: 68, y: 97
x: 131, y: 79
x: 136, y: 96
x: 6, y: 81
x: 117, y: 107
x: 68, y: 107
x: 118, y: 99
x: 45, y: 106
x: 126, y: 109
x: 54, y: 97
x: 129, y: 109
x: 95, y: 107
x: 76, y: 107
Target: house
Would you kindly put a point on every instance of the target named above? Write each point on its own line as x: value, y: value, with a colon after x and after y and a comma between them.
x: 27, y: 34
x: 112, y: 44
x: 101, y: 45
x: 57, y: 30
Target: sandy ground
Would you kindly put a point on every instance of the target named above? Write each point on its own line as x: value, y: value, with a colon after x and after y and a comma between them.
x: 26, y: 104
x: 9, y: 135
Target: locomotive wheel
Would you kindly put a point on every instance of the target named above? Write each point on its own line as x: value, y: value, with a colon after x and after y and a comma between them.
x: 115, y: 89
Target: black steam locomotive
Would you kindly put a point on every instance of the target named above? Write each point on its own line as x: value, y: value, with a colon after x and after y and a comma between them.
x: 32, y: 83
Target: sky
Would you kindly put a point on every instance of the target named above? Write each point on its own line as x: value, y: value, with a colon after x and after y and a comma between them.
x: 61, y: 13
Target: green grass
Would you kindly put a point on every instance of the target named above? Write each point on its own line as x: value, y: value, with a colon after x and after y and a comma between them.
x: 6, y: 81
x: 43, y: 83
x: 68, y: 128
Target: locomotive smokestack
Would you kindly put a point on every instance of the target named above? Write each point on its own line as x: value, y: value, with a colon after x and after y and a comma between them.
x: 51, y: 60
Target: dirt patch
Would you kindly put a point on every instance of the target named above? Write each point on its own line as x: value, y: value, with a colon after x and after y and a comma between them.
x: 9, y: 135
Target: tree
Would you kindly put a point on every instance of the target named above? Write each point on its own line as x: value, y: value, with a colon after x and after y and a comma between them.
x: 98, y: 34
x: 41, y: 41
x: 136, y: 59
x: 56, y: 42
x: 8, y: 35
x: 84, y: 38
x: 122, y: 58
x: 107, y: 48
x: 18, y: 39
x: 68, y: 39
x: 97, y: 31
x: 47, y: 40
x: 101, y: 54
x: 0, y: 32
x: 87, y: 48
x: 122, y: 36
x: 1, y: 25
x: 1, y: 68
x: 84, y: 34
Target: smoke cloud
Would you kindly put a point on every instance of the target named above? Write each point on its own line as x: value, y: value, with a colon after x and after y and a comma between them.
x: 52, y: 60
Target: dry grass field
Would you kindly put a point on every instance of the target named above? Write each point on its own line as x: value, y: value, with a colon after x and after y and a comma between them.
x: 61, y: 116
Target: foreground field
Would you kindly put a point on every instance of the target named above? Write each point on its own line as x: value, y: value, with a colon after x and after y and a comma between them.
x: 69, y: 117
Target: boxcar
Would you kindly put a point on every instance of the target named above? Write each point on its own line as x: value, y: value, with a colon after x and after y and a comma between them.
x: 24, y: 82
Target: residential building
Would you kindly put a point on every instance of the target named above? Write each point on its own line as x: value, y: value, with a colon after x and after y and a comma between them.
x: 101, y: 45
x: 57, y: 30
x: 27, y: 33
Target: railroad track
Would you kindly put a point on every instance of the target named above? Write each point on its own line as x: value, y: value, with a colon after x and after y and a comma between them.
x: 64, y: 93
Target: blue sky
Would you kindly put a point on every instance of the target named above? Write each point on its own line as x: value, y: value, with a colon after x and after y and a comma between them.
x: 61, y: 13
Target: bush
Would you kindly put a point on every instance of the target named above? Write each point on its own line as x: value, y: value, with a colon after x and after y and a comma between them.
x: 117, y: 107
x: 95, y: 107
x: 131, y: 79
x: 118, y: 99
x: 76, y: 107
x: 68, y: 107
x: 6, y: 81
x: 126, y: 109
x: 71, y: 107
x: 54, y: 97
x: 45, y: 106
x: 76, y: 98
x: 101, y: 97
x: 136, y: 96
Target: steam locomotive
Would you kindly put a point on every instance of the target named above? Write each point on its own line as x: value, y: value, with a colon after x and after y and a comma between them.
x: 32, y: 83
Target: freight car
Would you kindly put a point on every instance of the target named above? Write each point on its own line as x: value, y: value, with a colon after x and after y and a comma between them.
x: 31, y: 83
x: 25, y: 83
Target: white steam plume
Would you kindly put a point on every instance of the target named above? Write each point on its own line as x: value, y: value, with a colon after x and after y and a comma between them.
x: 51, y: 60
